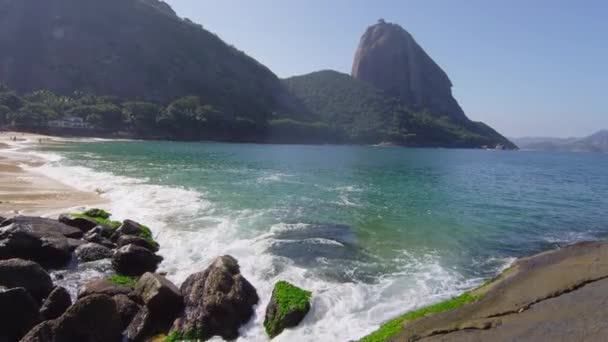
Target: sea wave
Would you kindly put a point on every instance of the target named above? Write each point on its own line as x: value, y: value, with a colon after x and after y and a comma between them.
x: 192, y: 231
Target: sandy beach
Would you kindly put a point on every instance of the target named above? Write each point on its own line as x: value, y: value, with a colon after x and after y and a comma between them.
x: 27, y: 192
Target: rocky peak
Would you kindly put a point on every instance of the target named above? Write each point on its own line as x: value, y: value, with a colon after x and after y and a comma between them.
x: 389, y: 58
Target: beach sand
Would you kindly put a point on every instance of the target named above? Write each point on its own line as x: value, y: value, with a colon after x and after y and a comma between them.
x: 25, y: 191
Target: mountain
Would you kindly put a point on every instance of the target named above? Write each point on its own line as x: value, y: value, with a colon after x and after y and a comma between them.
x: 134, y: 68
x: 131, y: 49
x: 368, y: 114
x: 597, y: 142
x: 389, y: 58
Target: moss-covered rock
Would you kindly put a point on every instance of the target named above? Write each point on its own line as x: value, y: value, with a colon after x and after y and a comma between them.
x: 287, y: 308
x: 89, y: 219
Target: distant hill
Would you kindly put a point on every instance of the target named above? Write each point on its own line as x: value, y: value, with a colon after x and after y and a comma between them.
x: 134, y: 68
x: 597, y: 142
x: 369, y: 115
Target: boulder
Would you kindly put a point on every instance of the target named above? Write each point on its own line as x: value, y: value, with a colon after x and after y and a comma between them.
x: 135, y: 260
x: 127, y: 309
x: 93, y: 318
x: 38, y: 239
x: 56, y: 303
x: 105, y: 287
x: 18, y: 313
x: 43, y: 332
x: 92, y: 252
x: 43, y: 225
x: 163, y: 302
x: 26, y: 274
x: 288, y: 306
x: 128, y: 227
x: 96, y: 235
x: 104, y: 231
x: 84, y: 224
x: 217, y: 301
x: 75, y: 243
x: 138, y: 241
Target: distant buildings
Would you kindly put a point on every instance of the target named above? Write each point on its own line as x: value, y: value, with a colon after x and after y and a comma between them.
x: 70, y: 122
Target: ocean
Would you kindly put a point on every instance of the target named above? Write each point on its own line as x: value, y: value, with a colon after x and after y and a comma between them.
x: 372, y: 232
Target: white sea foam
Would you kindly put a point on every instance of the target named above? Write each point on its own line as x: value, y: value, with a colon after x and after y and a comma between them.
x: 191, y: 233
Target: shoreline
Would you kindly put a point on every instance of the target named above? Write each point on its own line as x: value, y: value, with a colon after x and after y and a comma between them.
x: 36, y: 194
x: 24, y: 191
x: 555, y: 295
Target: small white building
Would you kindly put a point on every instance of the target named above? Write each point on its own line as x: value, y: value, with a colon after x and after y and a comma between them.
x: 70, y: 122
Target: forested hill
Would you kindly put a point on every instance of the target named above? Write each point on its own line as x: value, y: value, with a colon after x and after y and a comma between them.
x: 134, y: 68
x: 369, y: 115
x: 133, y: 50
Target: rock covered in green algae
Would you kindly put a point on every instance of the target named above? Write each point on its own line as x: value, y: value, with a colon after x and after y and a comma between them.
x: 287, y: 308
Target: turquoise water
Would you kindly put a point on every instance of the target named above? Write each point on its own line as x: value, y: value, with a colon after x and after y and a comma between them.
x: 372, y: 231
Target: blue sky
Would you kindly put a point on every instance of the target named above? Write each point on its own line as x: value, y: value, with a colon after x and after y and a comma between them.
x: 526, y: 68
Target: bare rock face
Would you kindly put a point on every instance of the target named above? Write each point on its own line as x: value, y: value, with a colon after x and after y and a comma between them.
x: 389, y: 58
x: 217, y: 302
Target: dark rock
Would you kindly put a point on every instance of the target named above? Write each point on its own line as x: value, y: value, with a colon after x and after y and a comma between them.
x: 287, y: 308
x: 163, y: 302
x: 130, y: 227
x: 38, y: 239
x: 389, y: 58
x: 56, y: 303
x: 136, y: 240
x: 43, y: 225
x: 95, y: 235
x: 217, y: 301
x: 134, y: 260
x: 92, y: 252
x: 84, y: 224
x: 93, y: 318
x: 105, y: 287
x: 127, y: 309
x: 43, y: 332
x: 26, y: 274
x: 104, y: 231
x: 75, y: 243
x: 18, y: 313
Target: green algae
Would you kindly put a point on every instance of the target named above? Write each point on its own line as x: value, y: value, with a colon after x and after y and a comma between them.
x: 100, y: 216
x: 289, y: 298
x: 122, y: 280
x: 393, y: 327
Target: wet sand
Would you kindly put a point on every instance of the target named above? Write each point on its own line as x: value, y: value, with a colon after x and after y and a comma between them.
x: 25, y: 191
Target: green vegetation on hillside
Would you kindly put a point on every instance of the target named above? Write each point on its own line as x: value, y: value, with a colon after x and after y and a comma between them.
x: 368, y: 115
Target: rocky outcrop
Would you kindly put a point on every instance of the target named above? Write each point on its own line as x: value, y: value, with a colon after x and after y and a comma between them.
x: 288, y: 306
x: 217, y: 301
x: 136, y: 240
x: 18, y: 313
x: 92, y: 252
x: 134, y: 260
x: 92, y: 319
x: 105, y: 287
x: 83, y: 223
x: 389, y: 58
x: 162, y: 303
x: 26, y: 274
x: 38, y: 239
x: 127, y: 308
x: 56, y: 303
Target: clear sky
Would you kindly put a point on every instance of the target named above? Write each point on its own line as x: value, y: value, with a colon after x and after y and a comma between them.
x: 527, y: 68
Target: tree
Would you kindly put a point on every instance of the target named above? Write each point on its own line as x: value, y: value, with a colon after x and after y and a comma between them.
x: 11, y: 100
x: 33, y: 114
x: 142, y: 115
